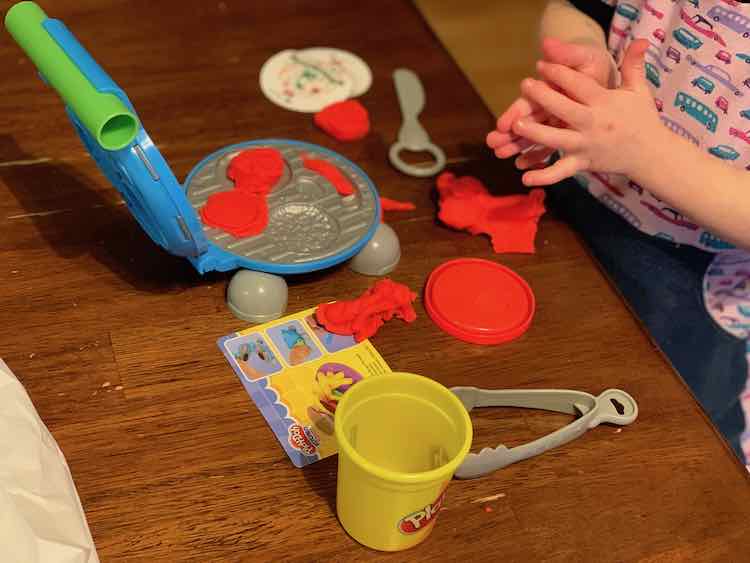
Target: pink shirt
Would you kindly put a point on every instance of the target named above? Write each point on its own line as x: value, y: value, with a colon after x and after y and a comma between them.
x: 698, y: 69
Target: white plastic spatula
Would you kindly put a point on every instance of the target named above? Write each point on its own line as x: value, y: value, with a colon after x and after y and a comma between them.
x: 592, y: 410
x: 412, y: 136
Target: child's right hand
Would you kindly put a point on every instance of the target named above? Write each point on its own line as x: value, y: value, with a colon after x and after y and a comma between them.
x: 590, y: 60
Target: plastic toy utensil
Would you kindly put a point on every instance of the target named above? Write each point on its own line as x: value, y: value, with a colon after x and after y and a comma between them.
x: 592, y: 410
x: 412, y: 135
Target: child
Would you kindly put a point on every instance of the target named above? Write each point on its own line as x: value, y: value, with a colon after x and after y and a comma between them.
x: 663, y: 145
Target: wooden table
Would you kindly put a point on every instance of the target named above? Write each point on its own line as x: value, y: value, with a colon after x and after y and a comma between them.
x: 116, y: 341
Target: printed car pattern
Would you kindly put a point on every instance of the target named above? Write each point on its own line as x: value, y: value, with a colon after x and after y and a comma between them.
x: 698, y: 69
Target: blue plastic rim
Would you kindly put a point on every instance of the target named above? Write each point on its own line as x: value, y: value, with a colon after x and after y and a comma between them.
x: 217, y: 258
x: 139, y: 172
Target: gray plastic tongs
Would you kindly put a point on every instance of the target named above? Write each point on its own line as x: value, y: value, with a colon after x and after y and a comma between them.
x: 412, y: 136
x: 592, y: 411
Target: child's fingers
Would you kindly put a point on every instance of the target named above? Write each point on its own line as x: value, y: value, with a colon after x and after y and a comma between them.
x: 497, y: 139
x: 563, y: 168
x: 576, y: 85
x: 572, y: 55
x: 517, y: 109
x: 513, y: 148
x: 535, y: 157
x: 556, y: 122
x: 633, y: 73
x: 520, y: 108
x: 555, y: 103
x: 565, y: 139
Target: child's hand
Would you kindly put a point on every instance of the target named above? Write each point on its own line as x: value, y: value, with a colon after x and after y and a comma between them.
x: 608, y: 129
x: 590, y: 60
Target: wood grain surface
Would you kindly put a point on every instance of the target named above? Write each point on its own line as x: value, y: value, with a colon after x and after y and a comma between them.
x: 115, y: 340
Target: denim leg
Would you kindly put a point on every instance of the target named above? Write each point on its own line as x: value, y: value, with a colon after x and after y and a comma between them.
x: 663, y: 284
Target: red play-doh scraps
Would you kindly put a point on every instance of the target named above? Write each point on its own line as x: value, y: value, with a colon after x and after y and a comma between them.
x: 510, y: 221
x: 330, y: 173
x: 362, y: 317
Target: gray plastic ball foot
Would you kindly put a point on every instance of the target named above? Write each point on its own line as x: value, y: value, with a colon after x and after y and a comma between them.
x: 257, y: 297
x: 380, y: 256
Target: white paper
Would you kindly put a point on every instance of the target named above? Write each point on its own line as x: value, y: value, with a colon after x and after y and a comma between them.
x: 41, y: 518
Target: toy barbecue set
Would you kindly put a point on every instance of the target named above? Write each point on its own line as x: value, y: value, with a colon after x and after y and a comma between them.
x: 275, y: 207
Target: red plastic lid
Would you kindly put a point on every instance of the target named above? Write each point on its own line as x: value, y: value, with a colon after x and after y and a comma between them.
x: 479, y: 301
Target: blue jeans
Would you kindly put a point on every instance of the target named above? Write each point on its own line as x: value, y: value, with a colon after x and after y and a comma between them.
x: 663, y: 284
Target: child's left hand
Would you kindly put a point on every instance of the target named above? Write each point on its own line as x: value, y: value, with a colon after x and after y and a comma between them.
x: 607, y: 129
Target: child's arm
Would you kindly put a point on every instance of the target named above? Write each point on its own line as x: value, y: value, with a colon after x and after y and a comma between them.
x: 619, y: 131
x: 560, y: 20
x: 701, y: 186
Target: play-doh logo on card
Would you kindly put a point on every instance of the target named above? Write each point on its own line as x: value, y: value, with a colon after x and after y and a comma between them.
x: 303, y: 439
x: 419, y: 520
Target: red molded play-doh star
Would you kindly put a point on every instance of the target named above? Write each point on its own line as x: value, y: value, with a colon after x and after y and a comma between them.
x: 330, y: 173
x: 239, y: 213
x: 362, y: 317
x: 510, y: 221
x: 256, y: 170
x: 344, y: 121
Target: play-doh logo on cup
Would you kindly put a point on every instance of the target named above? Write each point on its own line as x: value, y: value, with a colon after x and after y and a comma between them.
x: 303, y: 439
x: 422, y: 518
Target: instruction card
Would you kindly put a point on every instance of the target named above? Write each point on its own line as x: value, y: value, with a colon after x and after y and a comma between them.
x: 296, y: 372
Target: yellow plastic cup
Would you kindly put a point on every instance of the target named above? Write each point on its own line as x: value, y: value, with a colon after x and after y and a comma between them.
x: 400, y: 437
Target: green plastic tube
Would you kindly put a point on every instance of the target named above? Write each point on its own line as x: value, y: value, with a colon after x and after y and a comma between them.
x: 108, y: 120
